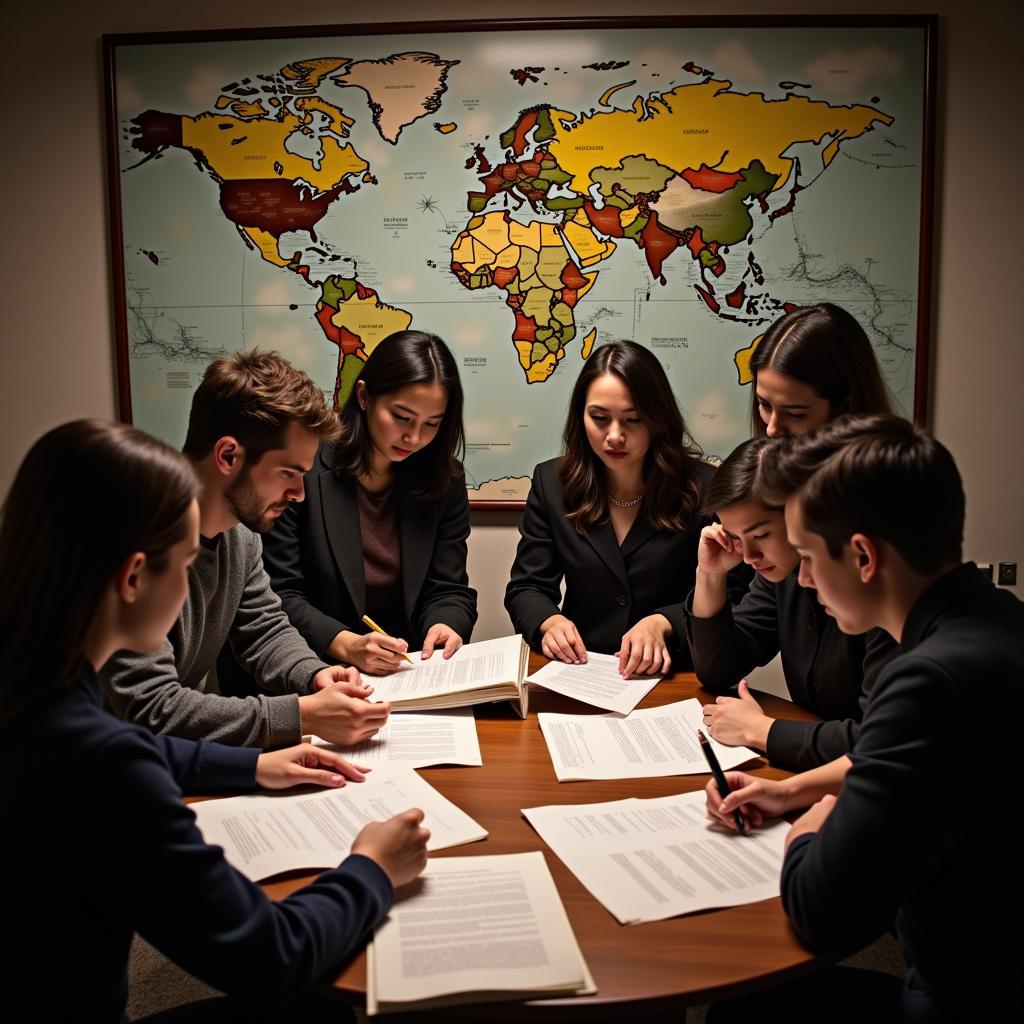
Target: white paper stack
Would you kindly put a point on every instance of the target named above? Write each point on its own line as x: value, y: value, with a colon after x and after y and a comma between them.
x: 475, y: 929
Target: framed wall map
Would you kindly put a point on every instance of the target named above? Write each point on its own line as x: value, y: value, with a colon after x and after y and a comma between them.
x: 526, y: 190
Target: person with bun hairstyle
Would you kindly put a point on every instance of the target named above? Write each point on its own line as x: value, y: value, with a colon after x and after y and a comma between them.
x: 617, y: 517
x: 100, y: 844
x: 384, y: 526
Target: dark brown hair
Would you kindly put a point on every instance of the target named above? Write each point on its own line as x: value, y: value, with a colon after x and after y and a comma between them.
x: 733, y: 481
x: 252, y: 397
x: 86, y: 496
x: 876, y: 475
x: 671, y: 481
x: 402, y: 359
x: 826, y: 348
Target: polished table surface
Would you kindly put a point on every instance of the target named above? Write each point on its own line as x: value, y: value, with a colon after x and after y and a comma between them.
x: 655, y: 968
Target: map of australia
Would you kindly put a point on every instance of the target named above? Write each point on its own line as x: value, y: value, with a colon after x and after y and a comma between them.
x: 525, y: 213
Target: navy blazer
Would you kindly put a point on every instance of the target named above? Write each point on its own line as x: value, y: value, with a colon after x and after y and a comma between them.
x: 314, y: 557
x: 608, y: 587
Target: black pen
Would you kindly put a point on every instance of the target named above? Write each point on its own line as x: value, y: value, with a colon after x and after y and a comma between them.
x: 719, y: 777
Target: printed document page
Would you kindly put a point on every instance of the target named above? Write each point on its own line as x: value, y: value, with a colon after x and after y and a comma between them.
x: 646, y: 860
x: 474, y: 929
x: 644, y: 744
x: 472, y: 667
x: 418, y: 739
x: 265, y: 835
x: 598, y: 683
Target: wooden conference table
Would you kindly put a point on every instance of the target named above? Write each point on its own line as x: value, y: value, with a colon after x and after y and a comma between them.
x: 656, y: 969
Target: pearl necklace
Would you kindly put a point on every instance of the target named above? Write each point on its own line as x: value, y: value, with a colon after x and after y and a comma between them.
x: 627, y: 504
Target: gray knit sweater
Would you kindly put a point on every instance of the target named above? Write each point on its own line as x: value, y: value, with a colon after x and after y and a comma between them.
x: 229, y: 598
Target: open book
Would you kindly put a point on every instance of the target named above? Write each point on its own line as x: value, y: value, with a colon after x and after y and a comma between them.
x: 473, y: 930
x: 475, y: 674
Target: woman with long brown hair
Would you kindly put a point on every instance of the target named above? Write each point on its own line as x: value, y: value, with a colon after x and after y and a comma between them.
x: 617, y: 517
x: 98, y: 531
x: 383, y: 529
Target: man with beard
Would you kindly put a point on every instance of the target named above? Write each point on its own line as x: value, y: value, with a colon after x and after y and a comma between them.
x: 253, y: 433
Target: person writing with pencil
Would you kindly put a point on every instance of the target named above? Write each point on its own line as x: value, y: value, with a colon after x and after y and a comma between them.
x: 373, y: 564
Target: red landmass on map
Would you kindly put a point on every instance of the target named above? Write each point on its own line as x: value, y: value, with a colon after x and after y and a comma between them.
x: 657, y: 244
x: 737, y: 295
x: 607, y: 220
x: 522, y: 129
x: 571, y: 276
x: 709, y: 180
x: 274, y: 205
x: 153, y: 130
x: 504, y: 276
x: 708, y: 298
x: 526, y: 327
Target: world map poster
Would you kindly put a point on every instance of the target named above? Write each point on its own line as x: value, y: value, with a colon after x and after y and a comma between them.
x: 527, y: 194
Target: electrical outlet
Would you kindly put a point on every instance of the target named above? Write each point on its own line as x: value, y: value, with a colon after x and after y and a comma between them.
x: 1007, y: 574
x: 985, y: 568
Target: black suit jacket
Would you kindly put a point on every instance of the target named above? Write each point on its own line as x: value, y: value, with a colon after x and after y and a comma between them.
x: 827, y: 671
x: 922, y: 828
x: 608, y: 588
x: 314, y: 556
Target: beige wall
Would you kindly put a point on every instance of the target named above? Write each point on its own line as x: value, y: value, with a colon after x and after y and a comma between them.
x: 57, y: 357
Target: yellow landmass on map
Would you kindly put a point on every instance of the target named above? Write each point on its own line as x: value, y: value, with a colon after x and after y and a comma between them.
x: 308, y: 74
x: 587, y: 246
x: 705, y: 123
x: 267, y: 245
x: 340, y: 122
x: 445, y: 129
x: 401, y: 88
x: 742, y: 360
x: 493, y: 245
x: 606, y: 96
x: 249, y: 149
x: 588, y: 343
x: 371, y: 319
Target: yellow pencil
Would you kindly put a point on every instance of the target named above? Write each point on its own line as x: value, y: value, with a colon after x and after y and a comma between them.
x: 373, y: 625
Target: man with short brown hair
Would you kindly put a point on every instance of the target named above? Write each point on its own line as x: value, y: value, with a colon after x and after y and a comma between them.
x: 254, y: 430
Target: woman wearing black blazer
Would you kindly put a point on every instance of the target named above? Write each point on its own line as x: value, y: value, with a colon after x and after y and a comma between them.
x: 618, y: 517
x: 382, y: 531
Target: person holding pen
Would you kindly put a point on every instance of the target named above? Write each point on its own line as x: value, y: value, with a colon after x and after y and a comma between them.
x: 617, y: 517
x: 106, y: 847
x: 827, y: 671
x: 875, y: 509
x: 383, y: 530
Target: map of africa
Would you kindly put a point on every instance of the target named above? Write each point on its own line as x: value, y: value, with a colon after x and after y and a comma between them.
x: 525, y: 195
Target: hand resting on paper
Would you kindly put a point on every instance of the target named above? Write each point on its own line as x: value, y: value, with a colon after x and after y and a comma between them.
x: 643, y: 651
x: 738, y: 721
x: 398, y: 846
x: 442, y: 636
x: 561, y: 642
x: 304, y: 765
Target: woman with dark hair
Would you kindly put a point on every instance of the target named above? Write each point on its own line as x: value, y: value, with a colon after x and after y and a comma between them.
x: 617, y: 516
x: 383, y: 529
x: 812, y: 365
x: 117, y: 851
x: 827, y: 671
